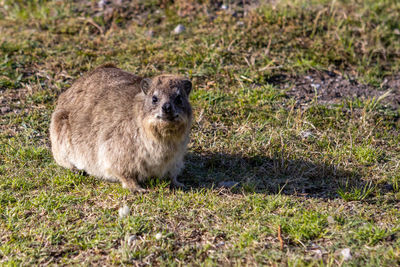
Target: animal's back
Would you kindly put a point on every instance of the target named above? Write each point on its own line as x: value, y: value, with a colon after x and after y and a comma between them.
x: 89, y: 110
x: 104, y: 87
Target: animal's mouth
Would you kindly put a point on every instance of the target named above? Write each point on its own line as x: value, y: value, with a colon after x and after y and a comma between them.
x: 169, y: 118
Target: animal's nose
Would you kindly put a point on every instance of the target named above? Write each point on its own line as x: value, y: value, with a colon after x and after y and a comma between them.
x: 167, y: 107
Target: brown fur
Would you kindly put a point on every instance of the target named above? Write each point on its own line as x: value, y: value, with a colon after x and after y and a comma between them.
x: 109, y: 125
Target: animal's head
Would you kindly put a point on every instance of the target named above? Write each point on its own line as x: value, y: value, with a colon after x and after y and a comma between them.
x: 167, y: 110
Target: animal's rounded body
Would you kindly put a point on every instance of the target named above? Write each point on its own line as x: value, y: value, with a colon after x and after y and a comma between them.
x: 120, y: 127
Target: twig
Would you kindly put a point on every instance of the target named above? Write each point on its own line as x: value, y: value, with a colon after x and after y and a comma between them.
x: 280, y: 236
x: 91, y: 21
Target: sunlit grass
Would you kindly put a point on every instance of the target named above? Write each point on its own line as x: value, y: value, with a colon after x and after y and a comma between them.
x: 326, y: 175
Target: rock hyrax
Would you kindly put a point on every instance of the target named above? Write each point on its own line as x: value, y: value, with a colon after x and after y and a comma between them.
x: 121, y: 127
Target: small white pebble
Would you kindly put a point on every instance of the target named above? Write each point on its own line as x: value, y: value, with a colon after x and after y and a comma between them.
x: 124, y: 211
x: 318, y: 253
x: 220, y: 244
x: 149, y: 33
x: 132, y: 239
x: 316, y: 86
x: 158, y: 236
x: 102, y: 4
x: 224, y: 7
x: 346, y: 254
x: 331, y: 220
x: 306, y: 134
x: 179, y: 29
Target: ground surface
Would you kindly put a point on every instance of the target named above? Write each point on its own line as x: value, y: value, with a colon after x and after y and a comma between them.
x: 297, y: 103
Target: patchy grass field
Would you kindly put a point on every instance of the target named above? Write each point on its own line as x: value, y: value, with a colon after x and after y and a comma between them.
x: 297, y: 101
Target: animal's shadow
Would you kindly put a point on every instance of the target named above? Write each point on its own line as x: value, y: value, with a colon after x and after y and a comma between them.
x: 267, y: 175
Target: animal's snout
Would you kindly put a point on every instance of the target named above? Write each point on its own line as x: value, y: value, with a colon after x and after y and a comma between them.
x: 167, y: 108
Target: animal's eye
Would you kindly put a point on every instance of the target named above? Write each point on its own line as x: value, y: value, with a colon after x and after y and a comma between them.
x: 154, y: 99
x: 178, y: 100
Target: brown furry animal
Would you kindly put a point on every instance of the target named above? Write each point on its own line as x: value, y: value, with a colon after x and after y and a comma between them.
x: 121, y: 127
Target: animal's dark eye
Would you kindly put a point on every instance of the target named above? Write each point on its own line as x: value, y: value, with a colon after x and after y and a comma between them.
x: 178, y: 100
x: 154, y: 99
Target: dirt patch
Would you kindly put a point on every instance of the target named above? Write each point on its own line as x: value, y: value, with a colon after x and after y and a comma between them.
x: 326, y: 87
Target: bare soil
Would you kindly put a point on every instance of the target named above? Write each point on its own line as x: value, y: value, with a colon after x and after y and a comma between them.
x: 328, y: 87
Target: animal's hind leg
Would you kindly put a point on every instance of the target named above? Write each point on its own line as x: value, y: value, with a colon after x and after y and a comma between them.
x: 60, y: 138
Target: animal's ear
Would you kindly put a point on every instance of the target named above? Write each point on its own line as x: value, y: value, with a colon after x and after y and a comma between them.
x: 145, y: 85
x: 187, y: 86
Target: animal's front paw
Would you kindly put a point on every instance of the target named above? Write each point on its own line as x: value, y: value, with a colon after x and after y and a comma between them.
x: 134, y: 187
x: 140, y: 190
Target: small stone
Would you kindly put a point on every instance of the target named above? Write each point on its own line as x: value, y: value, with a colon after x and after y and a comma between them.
x: 331, y: 220
x: 158, y: 236
x: 5, y: 110
x: 346, y: 254
x: 108, y: 12
x: 149, y: 33
x: 102, y: 4
x: 124, y: 211
x: 396, y: 31
x: 228, y: 184
x: 306, y: 134
x: 224, y: 7
x: 317, y: 253
x: 220, y: 244
x: 179, y: 29
x: 131, y: 240
x: 316, y: 86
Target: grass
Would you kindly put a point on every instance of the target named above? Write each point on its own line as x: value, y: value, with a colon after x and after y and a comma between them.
x: 356, y: 194
x: 327, y: 175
